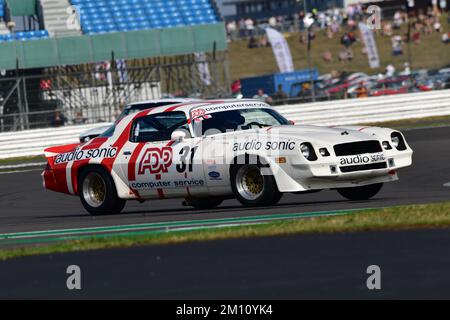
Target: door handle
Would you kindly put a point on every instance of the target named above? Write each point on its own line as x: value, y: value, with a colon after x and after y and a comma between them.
x: 127, y: 153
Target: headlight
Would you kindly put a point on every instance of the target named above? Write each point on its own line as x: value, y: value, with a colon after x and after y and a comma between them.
x: 308, y: 151
x: 398, y: 141
x: 386, y: 145
x: 395, y: 141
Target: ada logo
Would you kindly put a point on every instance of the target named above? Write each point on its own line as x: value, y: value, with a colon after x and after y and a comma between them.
x: 156, y: 160
x: 198, y: 113
x: 214, y: 175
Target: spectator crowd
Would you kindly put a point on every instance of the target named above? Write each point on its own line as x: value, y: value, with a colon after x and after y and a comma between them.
x: 343, y: 23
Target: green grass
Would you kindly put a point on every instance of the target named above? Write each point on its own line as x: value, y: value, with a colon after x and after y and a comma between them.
x: 244, y: 62
x: 398, y: 218
x: 22, y: 160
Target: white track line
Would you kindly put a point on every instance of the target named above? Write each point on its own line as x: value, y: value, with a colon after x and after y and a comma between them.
x: 25, y: 165
x: 19, y: 171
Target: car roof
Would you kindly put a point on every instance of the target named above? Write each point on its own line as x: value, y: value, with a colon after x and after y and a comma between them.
x: 190, y: 105
x: 173, y: 100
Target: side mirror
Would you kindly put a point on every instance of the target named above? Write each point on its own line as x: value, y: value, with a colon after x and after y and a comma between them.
x: 178, y: 135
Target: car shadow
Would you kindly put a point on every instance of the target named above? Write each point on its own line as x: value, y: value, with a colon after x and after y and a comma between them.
x: 223, y: 209
x: 240, y: 208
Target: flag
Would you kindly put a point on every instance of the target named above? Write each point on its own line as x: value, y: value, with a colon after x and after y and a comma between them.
x: 203, y: 68
x: 371, y: 45
x: 281, y: 50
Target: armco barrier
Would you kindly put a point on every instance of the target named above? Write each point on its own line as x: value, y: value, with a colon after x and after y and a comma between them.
x: 33, y: 142
x: 342, y: 112
x: 368, y: 110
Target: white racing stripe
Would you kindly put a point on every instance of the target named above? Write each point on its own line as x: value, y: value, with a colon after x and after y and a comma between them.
x: 69, y: 177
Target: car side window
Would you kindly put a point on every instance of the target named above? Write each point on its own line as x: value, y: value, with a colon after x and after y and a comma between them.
x: 158, y: 127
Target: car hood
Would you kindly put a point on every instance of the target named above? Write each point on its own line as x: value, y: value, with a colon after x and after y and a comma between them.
x: 320, y: 135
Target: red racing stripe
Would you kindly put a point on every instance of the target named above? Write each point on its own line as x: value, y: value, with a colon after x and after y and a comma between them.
x: 132, y: 162
x: 59, y: 172
x: 173, y: 108
x: 161, y: 194
x: 122, y: 140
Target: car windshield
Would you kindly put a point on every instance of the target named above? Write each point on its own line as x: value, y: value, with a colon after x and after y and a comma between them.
x: 242, y: 119
x: 109, y: 132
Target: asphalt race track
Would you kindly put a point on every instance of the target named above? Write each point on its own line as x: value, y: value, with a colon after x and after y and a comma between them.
x: 414, y: 264
x: 26, y: 206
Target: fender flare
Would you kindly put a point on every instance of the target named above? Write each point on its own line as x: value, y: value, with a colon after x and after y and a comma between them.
x: 283, y: 181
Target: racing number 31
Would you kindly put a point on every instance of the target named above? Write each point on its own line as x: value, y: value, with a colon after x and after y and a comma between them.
x: 184, y: 154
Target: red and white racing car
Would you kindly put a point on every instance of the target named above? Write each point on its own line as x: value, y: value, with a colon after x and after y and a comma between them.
x: 205, y: 152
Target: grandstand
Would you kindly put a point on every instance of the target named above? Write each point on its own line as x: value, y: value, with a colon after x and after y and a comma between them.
x: 102, y: 16
x: 2, y: 9
x: 127, y: 15
x: 122, y: 51
x: 10, y: 11
x: 29, y: 35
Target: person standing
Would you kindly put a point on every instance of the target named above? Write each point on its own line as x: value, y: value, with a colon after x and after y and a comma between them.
x: 262, y: 96
x: 390, y: 71
x: 280, y: 95
x: 362, y: 91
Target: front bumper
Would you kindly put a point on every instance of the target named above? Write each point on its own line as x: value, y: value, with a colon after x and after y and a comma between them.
x: 329, y: 173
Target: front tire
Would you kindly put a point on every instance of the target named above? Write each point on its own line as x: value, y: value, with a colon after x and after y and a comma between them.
x: 98, y: 192
x: 361, y: 193
x: 252, y: 188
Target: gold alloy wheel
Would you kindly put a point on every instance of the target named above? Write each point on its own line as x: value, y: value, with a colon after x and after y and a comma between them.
x: 94, y: 189
x: 249, y: 182
x: 254, y: 181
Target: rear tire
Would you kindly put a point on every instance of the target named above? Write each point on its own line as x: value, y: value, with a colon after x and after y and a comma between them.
x: 361, y: 193
x: 98, y: 192
x: 253, y: 189
x: 205, y: 203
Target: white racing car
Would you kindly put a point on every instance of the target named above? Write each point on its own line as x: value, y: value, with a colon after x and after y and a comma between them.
x: 205, y: 152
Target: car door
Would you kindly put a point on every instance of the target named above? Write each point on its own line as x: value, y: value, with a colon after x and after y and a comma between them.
x: 159, y: 167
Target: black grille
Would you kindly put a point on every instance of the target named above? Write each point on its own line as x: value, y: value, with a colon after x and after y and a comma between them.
x: 364, y: 167
x: 354, y: 148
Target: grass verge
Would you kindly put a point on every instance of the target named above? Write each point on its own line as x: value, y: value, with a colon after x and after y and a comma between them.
x: 396, y: 218
x: 430, y: 53
x: 22, y: 160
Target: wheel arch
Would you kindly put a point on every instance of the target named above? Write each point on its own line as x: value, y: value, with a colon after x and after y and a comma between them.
x: 249, y: 158
x: 284, y: 182
x: 79, y: 171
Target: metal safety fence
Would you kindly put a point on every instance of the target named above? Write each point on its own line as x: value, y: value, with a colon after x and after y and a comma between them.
x: 95, y: 93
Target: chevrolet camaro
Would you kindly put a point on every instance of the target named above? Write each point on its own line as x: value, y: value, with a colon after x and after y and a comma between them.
x: 204, y: 152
